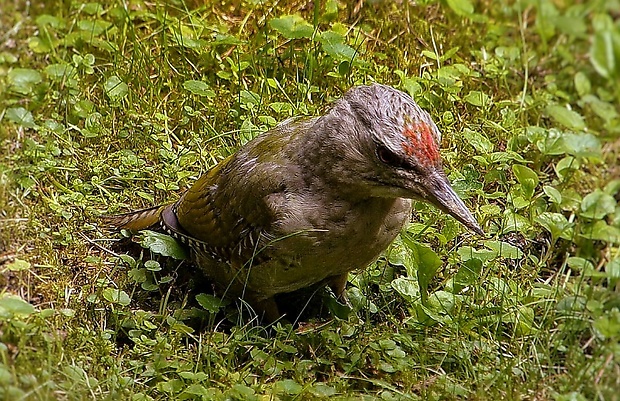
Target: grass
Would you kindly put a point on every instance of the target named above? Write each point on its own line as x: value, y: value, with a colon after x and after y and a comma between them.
x: 112, y: 106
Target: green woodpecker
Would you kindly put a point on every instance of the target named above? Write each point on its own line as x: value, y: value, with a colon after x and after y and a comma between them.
x: 310, y: 200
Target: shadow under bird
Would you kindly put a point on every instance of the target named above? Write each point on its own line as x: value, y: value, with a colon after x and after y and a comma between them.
x: 310, y: 200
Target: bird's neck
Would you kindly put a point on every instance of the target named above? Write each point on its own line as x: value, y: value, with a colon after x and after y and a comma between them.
x: 325, y: 160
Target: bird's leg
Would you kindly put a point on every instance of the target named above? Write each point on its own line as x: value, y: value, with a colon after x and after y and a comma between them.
x: 267, y: 309
x: 338, y: 285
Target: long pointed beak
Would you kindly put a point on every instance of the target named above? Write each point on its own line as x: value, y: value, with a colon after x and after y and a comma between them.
x: 441, y: 194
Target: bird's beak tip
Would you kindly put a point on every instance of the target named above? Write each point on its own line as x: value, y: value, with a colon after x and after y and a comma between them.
x: 477, y: 229
x: 446, y: 199
x: 468, y: 220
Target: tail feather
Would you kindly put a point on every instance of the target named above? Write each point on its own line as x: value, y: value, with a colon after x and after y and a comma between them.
x: 136, y: 221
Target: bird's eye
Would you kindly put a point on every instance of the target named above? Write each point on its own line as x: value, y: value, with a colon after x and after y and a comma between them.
x: 388, y: 157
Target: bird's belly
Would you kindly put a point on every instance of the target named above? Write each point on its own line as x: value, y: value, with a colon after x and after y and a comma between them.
x: 301, y: 258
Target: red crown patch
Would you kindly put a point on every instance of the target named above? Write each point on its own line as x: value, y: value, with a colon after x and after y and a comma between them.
x: 420, y: 142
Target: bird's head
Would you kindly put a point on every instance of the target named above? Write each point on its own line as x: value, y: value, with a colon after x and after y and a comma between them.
x: 393, y: 149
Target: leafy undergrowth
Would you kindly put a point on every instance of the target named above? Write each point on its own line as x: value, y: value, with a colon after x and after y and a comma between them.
x: 113, y: 106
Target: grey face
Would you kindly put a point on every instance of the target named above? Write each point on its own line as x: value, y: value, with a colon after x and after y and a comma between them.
x: 397, y: 148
